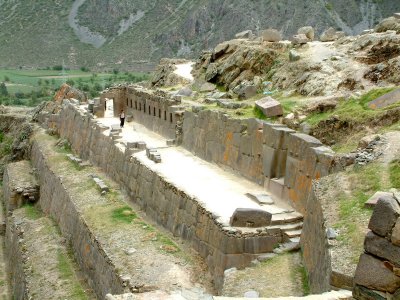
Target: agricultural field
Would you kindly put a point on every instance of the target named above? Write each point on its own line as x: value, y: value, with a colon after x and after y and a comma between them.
x: 30, y: 87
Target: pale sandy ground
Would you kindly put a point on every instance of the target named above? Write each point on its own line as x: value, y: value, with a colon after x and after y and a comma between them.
x: 184, y: 70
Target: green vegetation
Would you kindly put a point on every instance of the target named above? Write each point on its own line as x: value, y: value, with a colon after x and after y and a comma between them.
x: 329, y: 6
x: 5, y: 144
x: 32, y: 211
x: 30, y: 87
x: 394, y: 173
x: 124, y: 214
x: 66, y: 270
x: 354, y: 110
x: 364, y: 182
x: 301, y: 272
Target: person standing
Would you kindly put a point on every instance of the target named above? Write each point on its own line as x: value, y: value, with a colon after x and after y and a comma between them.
x: 122, y: 118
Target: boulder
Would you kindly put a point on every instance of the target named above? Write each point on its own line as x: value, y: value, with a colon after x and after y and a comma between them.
x: 391, y: 23
x: 396, y: 15
x: 371, y: 202
x: 367, y: 140
x: 186, y: 91
x: 385, y: 100
x: 294, y: 55
x: 373, y: 274
x: 245, y: 91
x: 300, y: 39
x: 270, y: 107
x: 385, y: 215
x: 250, y: 217
x: 329, y: 35
x: 308, y: 31
x: 219, y: 50
x: 207, y: 87
x: 362, y: 293
x: 271, y: 35
x: 247, y: 34
x: 396, y: 233
x: 69, y: 92
x: 382, y: 248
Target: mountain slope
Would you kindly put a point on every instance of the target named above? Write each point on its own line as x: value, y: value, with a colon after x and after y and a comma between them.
x: 135, y: 34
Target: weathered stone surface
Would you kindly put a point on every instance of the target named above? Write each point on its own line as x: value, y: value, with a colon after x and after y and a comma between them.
x: 385, y: 100
x: 294, y: 55
x: 396, y: 15
x: 244, y: 34
x: 186, y: 91
x: 373, y: 274
x: 68, y: 92
x: 385, y: 215
x: 329, y: 35
x: 308, y: 31
x: 245, y: 91
x: 270, y: 107
x: 391, y: 23
x: 381, y: 247
x: 271, y: 35
x: 362, y: 293
x: 300, y: 39
x: 396, y: 233
x: 207, y: 87
x: 249, y: 217
x: 371, y: 202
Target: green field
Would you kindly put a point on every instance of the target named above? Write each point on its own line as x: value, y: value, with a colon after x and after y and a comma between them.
x: 30, y: 87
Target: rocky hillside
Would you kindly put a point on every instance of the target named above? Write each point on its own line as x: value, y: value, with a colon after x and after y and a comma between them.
x: 108, y: 34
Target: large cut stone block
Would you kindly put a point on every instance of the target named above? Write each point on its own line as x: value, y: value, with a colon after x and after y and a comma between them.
x: 250, y: 217
x: 382, y: 248
x: 271, y: 35
x: 385, y: 215
x: 270, y: 107
x: 269, y: 161
x: 373, y: 274
x: 373, y: 200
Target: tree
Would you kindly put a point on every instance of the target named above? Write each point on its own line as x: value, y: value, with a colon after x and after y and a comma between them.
x: 3, y: 89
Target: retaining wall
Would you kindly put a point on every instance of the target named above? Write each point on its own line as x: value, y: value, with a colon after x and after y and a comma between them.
x: 56, y: 202
x: 222, y: 247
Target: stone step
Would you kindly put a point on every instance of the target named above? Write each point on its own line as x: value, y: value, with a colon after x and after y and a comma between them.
x: 293, y: 233
x: 286, y: 218
x: 286, y: 227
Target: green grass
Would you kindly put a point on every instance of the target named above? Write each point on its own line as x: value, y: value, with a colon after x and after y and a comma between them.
x: 32, y: 211
x: 66, y: 271
x: 301, y: 272
x: 394, y: 173
x: 123, y: 214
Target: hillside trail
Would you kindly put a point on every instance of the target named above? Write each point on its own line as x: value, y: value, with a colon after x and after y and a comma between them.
x: 390, y: 152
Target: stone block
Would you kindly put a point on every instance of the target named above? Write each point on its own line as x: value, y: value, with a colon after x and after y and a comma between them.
x: 271, y: 35
x: 373, y: 274
x: 244, y: 34
x: 363, y: 293
x: 371, y: 202
x: 396, y: 233
x: 260, y: 244
x: 270, y: 107
x: 245, y: 91
x: 250, y: 217
x: 294, y: 55
x: 329, y: 35
x: 207, y: 87
x: 308, y: 31
x: 270, y: 161
x: 276, y: 187
x: 262, y: 199
x: 381, y: 247
x: 385, y: 100
x: 300, y: 39
x: 384, y: 217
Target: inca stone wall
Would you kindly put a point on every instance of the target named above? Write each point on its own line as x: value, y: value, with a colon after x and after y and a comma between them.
x: 56, y: 202
x: 378, y: 271
x: 151, y: 108
x: 284, y: 161
x: 222, y: 247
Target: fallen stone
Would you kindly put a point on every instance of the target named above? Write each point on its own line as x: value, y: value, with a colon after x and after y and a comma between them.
x: 308, y: 31
x: 197, y: 108
x: 396, y: 233
x: 371, y: 202
x: 270, y: 107
x: 249, y: 217
x: 271, y: 35
x: 244, y: 34
x: 130, y: 251
x: 367, y: 140
x: 381, y: 247
x: 219, y: 95
x: 331, y: 234
x: 207, y: 87
x: 385, y: 215
x: 300, y: 39
x: 385, y: 100
x: 186, y: 91
x: 363, y: 293
x: 251, y: 294
x: 294, y: 55
x: 329, y: 35
x: 262, y: 199
x: 245, y: 91
x: 373, y: 274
